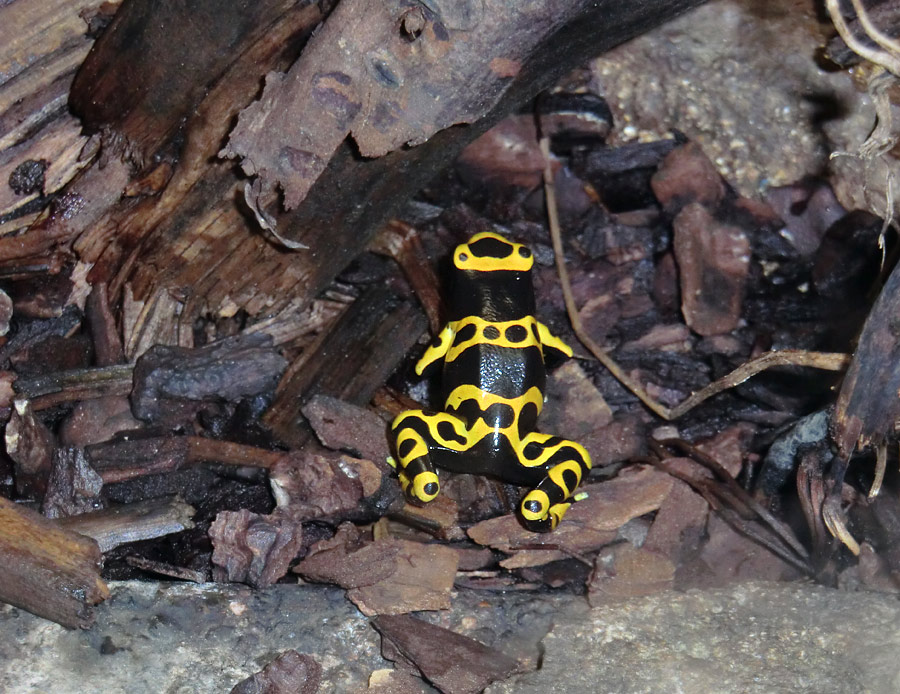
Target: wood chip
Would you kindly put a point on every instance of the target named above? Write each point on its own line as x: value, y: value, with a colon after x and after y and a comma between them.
x: 453, y: 663
x: 387, y: 576
x: 625, y: 571
x: 589, y: 524
x: 289, y: 673
x: 253, y: 549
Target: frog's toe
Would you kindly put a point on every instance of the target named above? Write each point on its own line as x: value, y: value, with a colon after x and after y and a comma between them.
x: 422, y: 487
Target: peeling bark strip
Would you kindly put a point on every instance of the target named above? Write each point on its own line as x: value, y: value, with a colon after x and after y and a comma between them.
x: 397, y: 74
x: 394, y: 84
x: 868, y: 405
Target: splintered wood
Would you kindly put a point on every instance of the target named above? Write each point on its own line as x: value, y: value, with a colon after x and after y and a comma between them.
x: 47, y: 570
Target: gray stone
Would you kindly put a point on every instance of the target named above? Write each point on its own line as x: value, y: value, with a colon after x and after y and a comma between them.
x: 181, y: 638
x: 748, y: 639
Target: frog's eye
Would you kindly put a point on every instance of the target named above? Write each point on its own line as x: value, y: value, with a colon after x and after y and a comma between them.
x: 524, y: 251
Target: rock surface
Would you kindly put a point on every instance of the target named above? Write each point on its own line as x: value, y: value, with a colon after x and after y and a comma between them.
x: 747, y: 639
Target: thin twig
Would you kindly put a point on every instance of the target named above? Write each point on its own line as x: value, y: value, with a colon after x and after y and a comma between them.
x: 823, y: 360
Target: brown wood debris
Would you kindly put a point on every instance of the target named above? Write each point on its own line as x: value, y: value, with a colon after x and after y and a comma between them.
x: 170, y: 379
x: 170, y: 324
x: 253, y: 549
x: 867, y: 406
x: 453, y: 663
x: 132, y: 522
x: 590, y: 524
x: 289, y: 673
x: 385, y: 576
x: 55, y: 572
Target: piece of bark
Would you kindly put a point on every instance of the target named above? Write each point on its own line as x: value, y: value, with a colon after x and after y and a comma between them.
x: 713, y: 262
x: 359, y: 353
x: 47, y: 390
x: 808, y: 209
x: 143, y: 520
x: 421, y: 579
x: 162, y: 87
x: 625, y: 571
x: 386, y: 576
x: 30, y: 445
x: 289, y: 673
x: 141, y: 454
x: 678, y: 528
x: 41, y: 46
x: 403, y: 243
x: 35, y: 332
x: 102, y: 324
x: 309, y: 486
x: 394, y: 682
x: 438, y: 518
x: 98, y: 420
x: 687, y: 176
x: 728, y: 556
x: 588, y: 525
x: 867, y: 405
x: 47, y: 570
x: 73, y: 487
x: 253, y: 549
x: 341, y: 425
x: 120, y: 460
x: 453, y: 663
x: 170, y: 381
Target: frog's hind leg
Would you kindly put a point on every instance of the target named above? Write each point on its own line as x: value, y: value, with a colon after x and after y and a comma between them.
x: 418, y: 436
x: 566, y: 464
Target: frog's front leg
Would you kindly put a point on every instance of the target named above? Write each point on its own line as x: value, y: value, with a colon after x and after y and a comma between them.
x: 566, y: 464
x: 421, y: 437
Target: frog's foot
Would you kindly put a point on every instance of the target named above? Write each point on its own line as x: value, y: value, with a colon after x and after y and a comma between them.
x: 544, y: 506
x: 416, y: 433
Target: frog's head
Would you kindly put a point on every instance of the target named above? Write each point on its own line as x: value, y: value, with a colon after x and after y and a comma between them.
x: 490, y: 252
x: 492, y: 279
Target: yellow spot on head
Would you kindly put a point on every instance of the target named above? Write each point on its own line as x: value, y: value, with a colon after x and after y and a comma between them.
x: 488, y: 251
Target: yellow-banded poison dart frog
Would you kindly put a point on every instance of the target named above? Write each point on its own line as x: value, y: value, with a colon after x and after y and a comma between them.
x: 493, y: 350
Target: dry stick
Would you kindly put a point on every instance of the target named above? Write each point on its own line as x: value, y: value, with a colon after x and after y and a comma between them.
x: 829, y: 361
x: 878, y: 56
x: 781, y: 529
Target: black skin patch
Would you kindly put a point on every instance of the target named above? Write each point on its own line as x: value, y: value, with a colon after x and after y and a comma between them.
x: 527, y: 416
x: 532, y: 506
x: 490, y: 248
x: 532, y: 450
x: 446, y: 431
x: 570, y: 478
x: 465, y: 333
x: 516, y: 333
x: 500, y: 415
x: 405, y: 448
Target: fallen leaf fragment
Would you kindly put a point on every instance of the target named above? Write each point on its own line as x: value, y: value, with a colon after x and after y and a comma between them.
x: 453, y: 663
x: 589, y: 524
x: 254, y: 549
x: 289, y: 673
x: 387, y: 576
